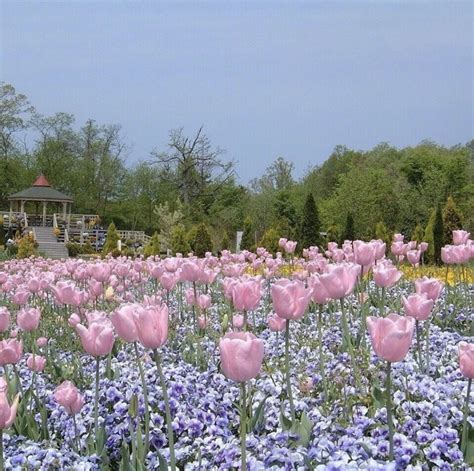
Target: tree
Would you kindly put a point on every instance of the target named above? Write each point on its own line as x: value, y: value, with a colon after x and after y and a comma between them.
x: 195, y: 164
x: 438, y: 234
x: 310, y: 225
x: 382, y: 233
x: 418, y: 234
x: 349, y: 233
x: 153, y: 246
x: 111, y: 239
x: 270, y: 240
x: 277, y: 177
x: 248, y: 240
x: 428, y: 237
x: 202, y: 241
x: 179, y: 241
x: 168, y: 219
x: 452, y: 220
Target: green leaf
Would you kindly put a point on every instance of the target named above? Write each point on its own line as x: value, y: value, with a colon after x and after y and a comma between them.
x: 258, y: 416
x: 163, y: 465
x: 286, y: 423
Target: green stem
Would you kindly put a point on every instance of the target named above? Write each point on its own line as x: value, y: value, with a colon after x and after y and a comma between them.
x: 382, y: 307
x: 389, y: 411
x: 1, y: 450
x: 145, y: 398
x: 96, y: 407
x: 321, y: 352
x: 76, y: 440
x: 287, y: 367
x: 167, y: 410
x: 347, y: 336
x: 418, y: 345
x: 427, y: 366
x: 464, y: 422
x: 243, y: 428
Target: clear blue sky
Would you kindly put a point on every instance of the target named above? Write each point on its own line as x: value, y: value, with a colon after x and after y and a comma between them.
x: 264, y: 78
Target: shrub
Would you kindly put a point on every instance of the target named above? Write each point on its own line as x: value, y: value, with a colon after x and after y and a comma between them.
x: 310, y: 224
x: 382, y: 233
x: 248, y: 240
x: 438, y: 234
x: 26, y: 247
x: 349, y: 232
x: 111, y: 239
x: 418, y: 234
x: 153, y: 247
x: 270, y: 240
x: 179, y: 240
x: 452, y: 220
x: 202, y: 241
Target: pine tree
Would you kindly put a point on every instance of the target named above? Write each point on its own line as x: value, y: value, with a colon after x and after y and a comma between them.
x: 111, y: 239
x: 349, y: 232
x: 225, y: 243
x: 452, y: 220
x: 310, y: 224
x: 428, y: 237
x: 202, y: 242
x: 179, y: 241
x: 247, y: 242
x: 153, y: 246
x: 438, y: 232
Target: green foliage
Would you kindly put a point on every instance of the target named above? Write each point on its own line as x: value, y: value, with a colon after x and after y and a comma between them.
x: 310, y: 224
x: 153, y: 246
x: 438, y: 234
x: 382, y: 233
x: 333, y: 233
x: 452, y: 220
x: 111, y: 240
x: 225, y: 243
x: 428, y: 237
x: 202, y: 241
x: 248, y: 241
x: 74, y: 249
x: 270, y: 240
x: 179, y: 241
x: 349, y: 232
x: 418, y: 234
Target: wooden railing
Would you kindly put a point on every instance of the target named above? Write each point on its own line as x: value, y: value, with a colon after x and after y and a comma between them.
x: 139, y: 236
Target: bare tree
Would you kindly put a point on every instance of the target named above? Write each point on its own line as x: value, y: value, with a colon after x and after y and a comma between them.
x: 195, y: 163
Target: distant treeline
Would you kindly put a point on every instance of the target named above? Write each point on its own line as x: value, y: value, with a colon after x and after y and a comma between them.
x: 190, y: 185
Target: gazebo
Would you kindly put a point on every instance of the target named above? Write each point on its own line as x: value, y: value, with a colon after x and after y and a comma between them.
x: 41, y: 192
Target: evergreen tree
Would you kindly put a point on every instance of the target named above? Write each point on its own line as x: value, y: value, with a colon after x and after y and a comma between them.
x: 418, y: 234
x: 111, y: 239
x: 382, y: 233
x: 438, y: 232
x: 179, y: 241
x: 225, y: 243
x: 153, y: 247
x: 248, y: 241
x: 349, y: 232
x: 452, y: 220
x: 310, y: 224
x: 202, y: 242
x: 270, y: 240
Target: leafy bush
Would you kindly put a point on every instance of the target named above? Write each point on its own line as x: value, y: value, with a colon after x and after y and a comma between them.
x: 153, y: 247
x: 270, y: 240
x: 202, y: 241
x: 26, y: 247
x: 179, y: 240
x: 111, y: 239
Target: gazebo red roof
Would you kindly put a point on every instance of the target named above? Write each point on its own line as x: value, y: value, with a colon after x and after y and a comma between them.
x: 41, y: 181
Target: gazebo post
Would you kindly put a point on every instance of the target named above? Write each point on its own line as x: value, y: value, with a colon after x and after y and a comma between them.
x: 22, y: 206
x: 11, y: 210
x: 64, y: 210
x: 44, y: 213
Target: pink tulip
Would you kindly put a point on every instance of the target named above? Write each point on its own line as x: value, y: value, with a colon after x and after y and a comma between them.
x: 203, y: 301
x: 28, y: 319
x: 398, y: 248
x: 386, y: 275
x: 290, y: 246
x: 413, y: 257
x: 340, y: 279
x: 460, y: 237
x: 190, y: 271
x: 276, y: 323
x: 423, y: 247
x: 4, y: 319
x: 42, y: 342
x: 67, y: 395
x: 10, y: 351
x: 123, y: 321
x: 202, y: 322
x: 398, y: 237
x: 168, y: 280
x: 241, y: 356
x: 364, y: 253
x: 391, y: 336
x: 189, y: 295
x: 7, y: 412
x: 152, y: 325
x: 418, y: 306
x: 21, y: 296
x: 246, y: 295
x: 466, y: 359
x: 290, y: 299
x: 282, y: 242
x: 101, y: 272
x: 97, y: 339
x: 238, y: 321
x: 36, y: 363
x: 430, y: 286
x: 67, y: 293
x: 73, y: 320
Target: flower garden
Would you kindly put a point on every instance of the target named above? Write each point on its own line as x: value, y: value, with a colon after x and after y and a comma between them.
x: 358, y: 357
